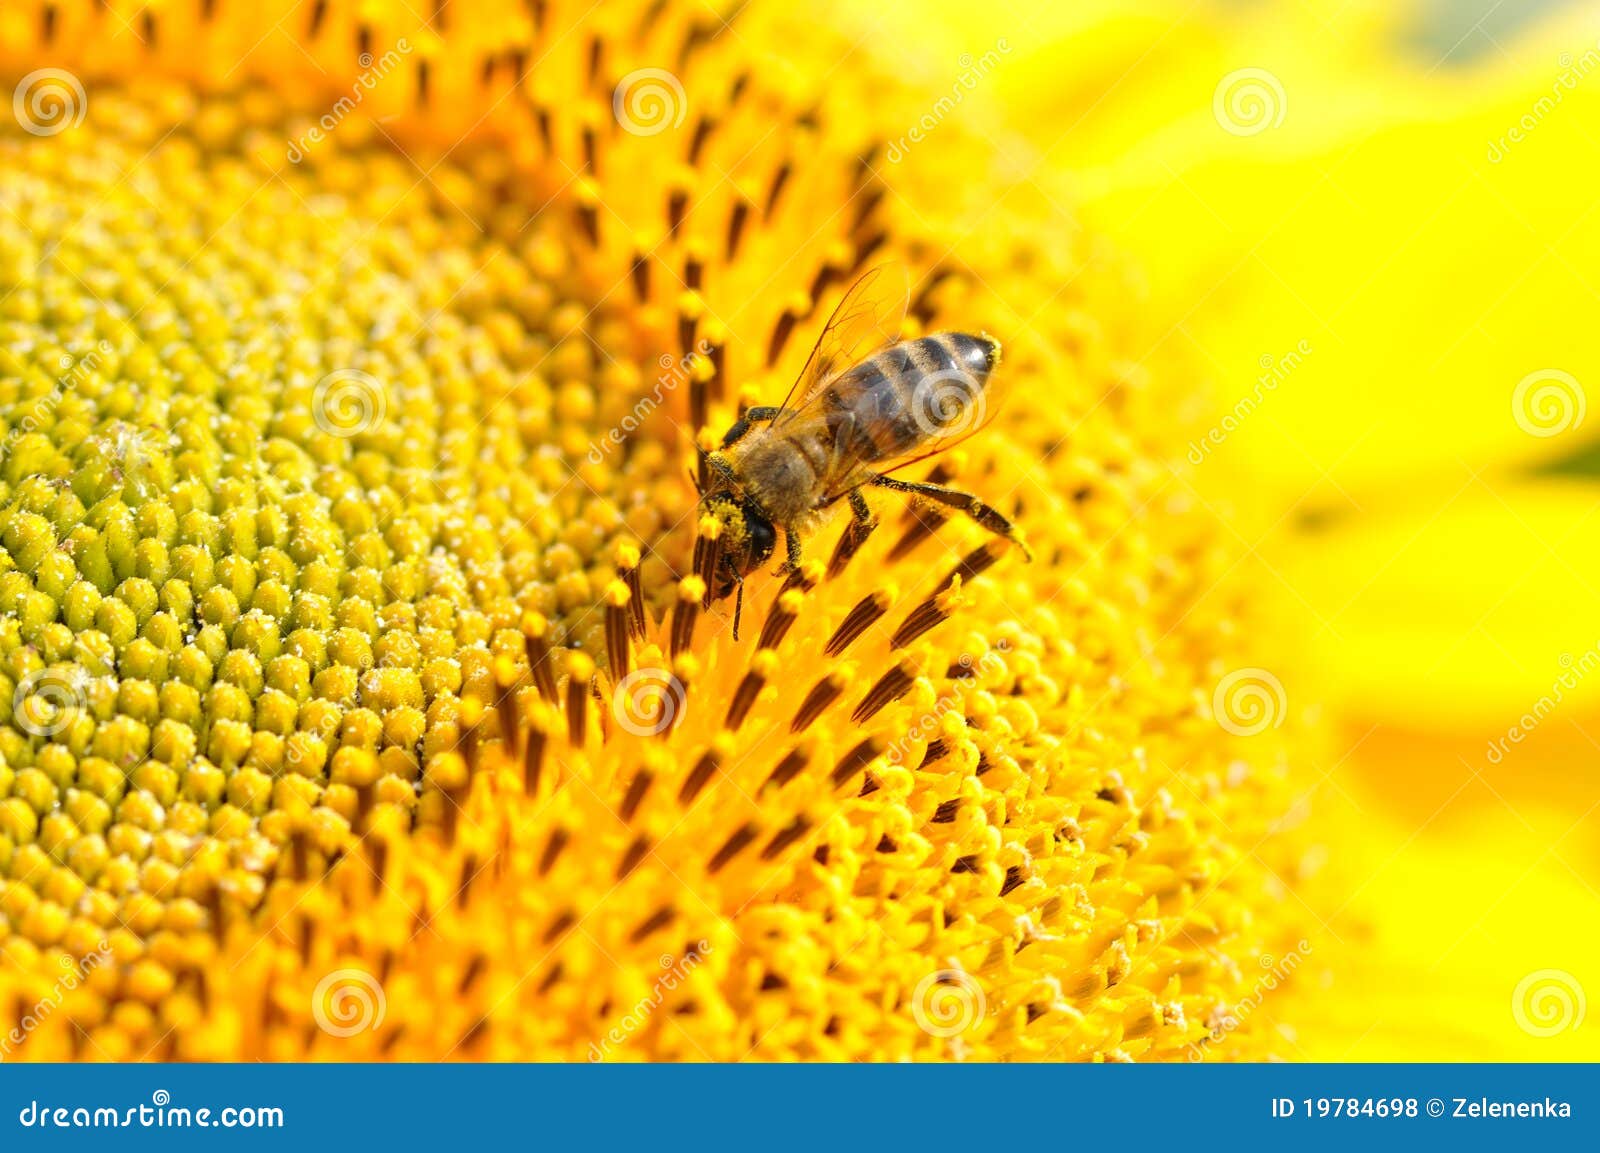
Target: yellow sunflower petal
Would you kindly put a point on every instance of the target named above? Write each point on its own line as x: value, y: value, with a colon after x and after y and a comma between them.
x: 1406, y: 236
x: 1506, y: 578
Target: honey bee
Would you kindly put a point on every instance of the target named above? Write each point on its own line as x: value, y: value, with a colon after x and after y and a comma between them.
x: 865, y: 405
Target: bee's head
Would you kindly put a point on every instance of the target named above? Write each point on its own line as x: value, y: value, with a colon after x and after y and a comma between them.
x: 747, y: 541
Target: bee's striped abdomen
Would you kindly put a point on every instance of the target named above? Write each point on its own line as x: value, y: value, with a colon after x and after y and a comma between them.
x: 909, y: 393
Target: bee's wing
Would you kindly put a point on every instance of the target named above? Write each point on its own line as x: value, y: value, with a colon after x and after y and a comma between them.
x: 867, y: 319
x: 949, y: 409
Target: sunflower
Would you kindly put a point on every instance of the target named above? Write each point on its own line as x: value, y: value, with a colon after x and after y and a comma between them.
x: 364, y: 701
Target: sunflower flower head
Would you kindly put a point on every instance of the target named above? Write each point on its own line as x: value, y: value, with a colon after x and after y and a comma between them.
x: 367, y: 696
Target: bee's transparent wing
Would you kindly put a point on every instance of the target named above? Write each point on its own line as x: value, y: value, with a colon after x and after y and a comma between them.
x: 867, y: 319
x: 949, y: 409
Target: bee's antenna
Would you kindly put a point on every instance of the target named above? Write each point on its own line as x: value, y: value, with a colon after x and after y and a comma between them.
x: 738, y: 607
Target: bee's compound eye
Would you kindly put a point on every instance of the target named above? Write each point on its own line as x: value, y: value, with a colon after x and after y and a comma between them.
x: 763, y: 538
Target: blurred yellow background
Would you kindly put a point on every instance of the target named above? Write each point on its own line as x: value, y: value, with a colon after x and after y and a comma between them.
x: 1369, y: 233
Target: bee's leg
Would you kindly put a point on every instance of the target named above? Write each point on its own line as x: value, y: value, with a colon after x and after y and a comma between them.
x: 965, y: 502
x: 791, y: 542
x: 751, y: 416
x: 862, y: 512
x: 855, y: 534
x: 722, y: 468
